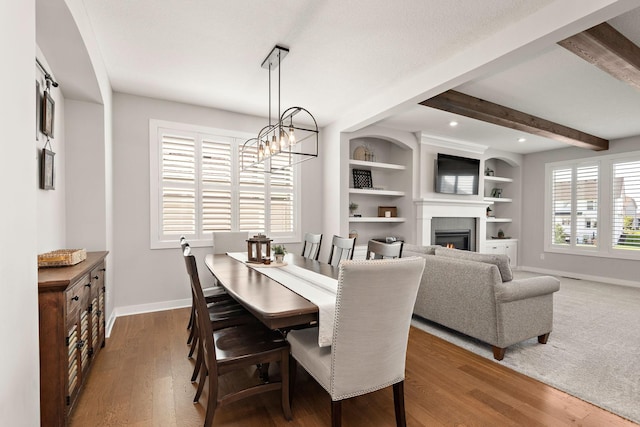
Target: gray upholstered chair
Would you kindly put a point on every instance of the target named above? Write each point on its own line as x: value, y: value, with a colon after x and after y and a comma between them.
x: 311, y: 248
x: 229, y: 241
x: 341, y: 248
x: 370, y: 333
x: 381, y: 250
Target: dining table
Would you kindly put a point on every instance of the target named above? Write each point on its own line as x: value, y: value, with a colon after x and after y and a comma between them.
x: 274, y: 304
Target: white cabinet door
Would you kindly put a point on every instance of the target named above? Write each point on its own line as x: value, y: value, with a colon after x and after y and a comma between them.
x: 503, y: 247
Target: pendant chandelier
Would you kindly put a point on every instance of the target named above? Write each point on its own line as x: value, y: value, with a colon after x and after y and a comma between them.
x: 292, y: 139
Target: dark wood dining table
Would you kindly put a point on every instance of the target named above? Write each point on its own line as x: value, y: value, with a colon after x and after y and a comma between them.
x: 273, y: 304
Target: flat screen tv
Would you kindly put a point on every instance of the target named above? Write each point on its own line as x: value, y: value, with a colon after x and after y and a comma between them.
x: 457, y: 175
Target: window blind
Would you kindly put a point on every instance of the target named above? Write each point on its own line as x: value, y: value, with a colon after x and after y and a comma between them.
x: 625, y: 233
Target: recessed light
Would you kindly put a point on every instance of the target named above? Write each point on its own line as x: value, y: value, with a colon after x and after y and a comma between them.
x: 453, y: 123
x: 522, y: 139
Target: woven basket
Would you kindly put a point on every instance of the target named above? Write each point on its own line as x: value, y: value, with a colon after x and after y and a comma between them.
x: 62, y: 257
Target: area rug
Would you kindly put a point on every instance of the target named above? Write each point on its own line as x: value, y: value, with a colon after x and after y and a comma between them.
x: 593, y: 352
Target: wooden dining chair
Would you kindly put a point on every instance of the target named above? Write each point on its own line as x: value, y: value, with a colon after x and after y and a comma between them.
x: 311, y: 247
x: 370, y: 333
x: 236, y: 348
x: 380, y: 250
x: 341, y: 248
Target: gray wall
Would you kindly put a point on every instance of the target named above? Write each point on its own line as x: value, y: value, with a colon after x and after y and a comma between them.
x: 148, y: 279
x: 532, y: 241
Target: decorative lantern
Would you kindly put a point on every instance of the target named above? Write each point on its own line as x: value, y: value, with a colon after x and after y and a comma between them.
x: 254, y: 249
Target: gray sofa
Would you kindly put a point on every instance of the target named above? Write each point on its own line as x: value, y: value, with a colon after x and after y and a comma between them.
x: 475, y: 294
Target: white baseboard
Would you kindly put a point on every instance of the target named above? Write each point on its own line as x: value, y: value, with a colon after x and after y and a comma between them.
x: 145, y: 308
x: 573, y: 275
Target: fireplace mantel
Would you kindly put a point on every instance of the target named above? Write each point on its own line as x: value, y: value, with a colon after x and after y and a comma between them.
x: 427, y: 209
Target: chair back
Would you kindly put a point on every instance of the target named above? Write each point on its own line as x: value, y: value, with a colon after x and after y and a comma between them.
x: 374, y: 304
x: 341, y: 249
x: 205, y: 330
x: 382, y: 250
x: 229, y: 241
x: 311, y: 248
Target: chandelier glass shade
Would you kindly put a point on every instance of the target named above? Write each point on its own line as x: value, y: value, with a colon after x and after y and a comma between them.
x: 292, y: 139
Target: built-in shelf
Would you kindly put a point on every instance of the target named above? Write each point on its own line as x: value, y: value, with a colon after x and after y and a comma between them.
x: 374, y: 192
x: 362, y: 164
x: 491, y: 219
x: 497, y: 179
x: 498, y: 199
x: 375, y: 219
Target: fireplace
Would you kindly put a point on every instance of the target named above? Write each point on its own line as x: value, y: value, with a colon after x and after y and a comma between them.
x: 458, y: 239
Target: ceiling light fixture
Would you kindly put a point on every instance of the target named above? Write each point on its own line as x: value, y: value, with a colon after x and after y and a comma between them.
x: 453, y: 123
x: 521, y: 139
x: 286, y: 142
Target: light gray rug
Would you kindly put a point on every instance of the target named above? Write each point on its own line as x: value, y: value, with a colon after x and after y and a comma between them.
x: 593, y: 352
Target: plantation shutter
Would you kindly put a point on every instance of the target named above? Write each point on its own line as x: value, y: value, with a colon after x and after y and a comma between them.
x: 178, y: 176
x: 561, y: 206
x: 586, y: 217
x: 626, y: 197
x: 282, y: 198
x: 216, y: 183
x: 251, y: 197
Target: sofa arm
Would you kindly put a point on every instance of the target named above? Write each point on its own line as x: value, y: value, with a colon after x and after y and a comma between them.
x: 526, y: 288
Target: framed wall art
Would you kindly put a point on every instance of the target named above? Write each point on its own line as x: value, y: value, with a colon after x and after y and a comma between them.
x: 47, y: 170
x: 48, y: 111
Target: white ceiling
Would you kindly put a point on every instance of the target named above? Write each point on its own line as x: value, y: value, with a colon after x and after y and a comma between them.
x: 342, y: 54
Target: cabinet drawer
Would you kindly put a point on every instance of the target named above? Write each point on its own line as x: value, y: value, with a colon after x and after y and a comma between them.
x: 74, y: 295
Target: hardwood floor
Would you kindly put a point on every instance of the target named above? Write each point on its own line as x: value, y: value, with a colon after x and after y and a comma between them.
x: 141, y: 378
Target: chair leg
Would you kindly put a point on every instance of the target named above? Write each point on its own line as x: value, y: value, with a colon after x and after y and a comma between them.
x: 336, y: 413
x: 196, y: 368
x: 191, y: 334
x: 542, y: 339
x: 212, y: 401
x: 194, y: 340
x: 191, y: 316
x: 284, y: 375
x: 293, y: 373
x: 398, y: 402
x: 498, y: 353
x: 203, y: 379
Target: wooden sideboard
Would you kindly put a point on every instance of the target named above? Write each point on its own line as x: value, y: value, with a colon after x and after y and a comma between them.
x: 71, y: 307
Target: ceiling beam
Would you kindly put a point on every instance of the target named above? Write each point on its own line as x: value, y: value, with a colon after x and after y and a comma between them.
x: 476, y: 108
x: 607, y: 49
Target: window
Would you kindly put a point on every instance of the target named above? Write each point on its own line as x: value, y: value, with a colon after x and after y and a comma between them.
x: 197, y: 187
x: 626, y: 195
x: 593, y: 206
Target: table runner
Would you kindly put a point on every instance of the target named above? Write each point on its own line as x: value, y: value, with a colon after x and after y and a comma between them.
x: 317, y: 288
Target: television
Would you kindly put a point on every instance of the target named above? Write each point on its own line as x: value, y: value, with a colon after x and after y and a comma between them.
x: 457, y: 175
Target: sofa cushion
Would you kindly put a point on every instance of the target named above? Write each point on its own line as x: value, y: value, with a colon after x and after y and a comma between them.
x: 501, y: 261
x: 415, y: 249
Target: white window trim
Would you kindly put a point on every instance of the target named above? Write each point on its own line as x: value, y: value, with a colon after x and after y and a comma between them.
x: 605, y: 204
x: 156, y: 240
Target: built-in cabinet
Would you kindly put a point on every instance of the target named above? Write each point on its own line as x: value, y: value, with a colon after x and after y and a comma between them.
x: 71, y: 306
x: 390, y: 186
x: 501, y: 192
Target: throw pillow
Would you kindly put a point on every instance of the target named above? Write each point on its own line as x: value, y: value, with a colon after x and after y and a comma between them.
x: 501, y: 261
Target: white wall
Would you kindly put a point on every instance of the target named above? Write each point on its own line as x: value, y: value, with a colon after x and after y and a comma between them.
x: 19, y: 370
x: 153, y: 279
x: 532, y: 242
x: 51, y: 225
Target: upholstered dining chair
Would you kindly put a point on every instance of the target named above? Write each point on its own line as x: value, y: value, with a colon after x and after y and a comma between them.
x: 236, y: 348
x: 229, y: 241
x: 311, y: 247
x: 341, y: 248
x: 380, y: 250
x: 370, y: 333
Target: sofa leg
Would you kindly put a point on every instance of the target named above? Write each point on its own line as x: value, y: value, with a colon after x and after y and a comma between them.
x: 542, y: 339
x: 498, y: 353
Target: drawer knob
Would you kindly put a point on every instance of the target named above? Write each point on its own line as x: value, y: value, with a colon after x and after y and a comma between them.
x: 76, y: 298
x: 88, y: 285
x: 96, y: 277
